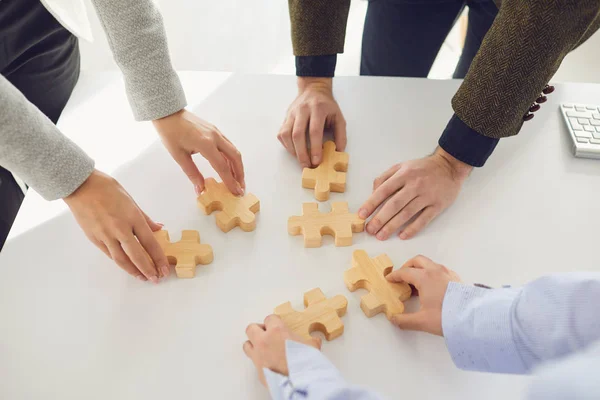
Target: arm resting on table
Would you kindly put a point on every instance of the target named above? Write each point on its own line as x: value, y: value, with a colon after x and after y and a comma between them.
x: 512, y: 330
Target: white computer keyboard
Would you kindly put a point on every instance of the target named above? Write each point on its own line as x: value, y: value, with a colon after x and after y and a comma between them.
x: 583, y: 122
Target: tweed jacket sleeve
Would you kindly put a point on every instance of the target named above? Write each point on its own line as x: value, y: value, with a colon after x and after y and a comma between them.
x: 519, y: 55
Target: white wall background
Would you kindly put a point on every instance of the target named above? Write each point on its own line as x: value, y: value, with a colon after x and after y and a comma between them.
x: 254, y: 36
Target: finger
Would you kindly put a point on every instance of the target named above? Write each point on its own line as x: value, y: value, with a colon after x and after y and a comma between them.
x: 393, y: 206
x: 100, y: 245
x: 385, y: 176
x: 428, y: 214
x: 190, y: 168
x: 248, y: 348
x: 420, y: 262
x: 339, y: 132
x: 388, y: 188
x: 316, y: 127
x: 317, y: 342
x: 299, y: 138
x: 253, y: 331
x: 235, y: 158
x: 152, y: 247
x: 409, y: 275
x: 409, y: 322
x: 285, y: 136
x: 154, y: 226
x: 273, y: 321
x: 410, y: 210
x: 138, y: 256
x: 219, y: 163
x: 120, y: 258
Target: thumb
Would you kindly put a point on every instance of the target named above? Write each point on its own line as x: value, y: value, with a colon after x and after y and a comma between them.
x: 189, y: 167
x: 317, y: 342
x: 409, y: 322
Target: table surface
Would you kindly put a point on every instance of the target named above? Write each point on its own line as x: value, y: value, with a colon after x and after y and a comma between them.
x: 75, y: 326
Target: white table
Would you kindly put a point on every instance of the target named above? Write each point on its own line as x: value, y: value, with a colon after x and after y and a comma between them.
x: 74, y: 326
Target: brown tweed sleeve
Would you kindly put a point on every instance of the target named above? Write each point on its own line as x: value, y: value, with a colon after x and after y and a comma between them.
x: 318, y: 26
x: 519, y: 55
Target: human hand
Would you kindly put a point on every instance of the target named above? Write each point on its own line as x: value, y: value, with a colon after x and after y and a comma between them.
x: 313, y: 110
x: 426, y: 186
x: 117, y: 226
x: 184, y: 134
x: 431, y: 281
x: 266, y: 345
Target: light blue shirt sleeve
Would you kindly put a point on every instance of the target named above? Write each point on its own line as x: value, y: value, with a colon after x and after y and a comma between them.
x: 513, y: 330
x: 312, y: 377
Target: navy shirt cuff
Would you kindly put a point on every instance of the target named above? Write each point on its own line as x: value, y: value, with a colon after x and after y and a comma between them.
x: 465, y: 144
x: 316, y: 66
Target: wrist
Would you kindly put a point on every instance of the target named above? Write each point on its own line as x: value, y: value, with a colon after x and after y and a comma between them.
x: 324, y: 84
x: 168, y: 117
x: 460, y: 170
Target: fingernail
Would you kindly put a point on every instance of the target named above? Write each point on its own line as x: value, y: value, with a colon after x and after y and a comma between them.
x: 315, y: 160
x: 154, y: 279
x: 160, y: 224
x: 380, y: 236
x: 371, y: 228
x: 403, y: 236
x: 141, y: 278
x: 198, y: 190
x: 362, y: 213
x: 165, y: 270
x: 240, y: 191
x: 305, y: 165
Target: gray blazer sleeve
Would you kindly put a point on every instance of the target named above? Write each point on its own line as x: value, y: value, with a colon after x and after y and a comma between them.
x: 137, y: 38
x: 34, y: 149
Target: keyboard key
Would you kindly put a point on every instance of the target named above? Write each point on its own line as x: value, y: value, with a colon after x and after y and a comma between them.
x: 596, y: 115
x: 576, y: 114
x: 595, y: 122
x: 582, y: 140
x: 580, y: 108
x: 591, y: 108
x: 568, y: 105
x: 575, y: 124
x: 594, y: 141
x: 598, y: 129
x: 583, y: 134
x: 596, y: 135
x: 583, y: 121
x: 589, y: 128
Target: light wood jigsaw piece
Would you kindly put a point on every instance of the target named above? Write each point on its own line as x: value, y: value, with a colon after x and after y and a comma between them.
x: 233, y: 211
x: 320, y: 314
x: 369, y: 273
x: 330, y: 175
x: 338, y: 223
x: 185, y: 254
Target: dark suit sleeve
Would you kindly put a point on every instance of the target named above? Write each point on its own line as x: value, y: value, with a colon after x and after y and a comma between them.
x: 318, y: 26
x: 519, y: 55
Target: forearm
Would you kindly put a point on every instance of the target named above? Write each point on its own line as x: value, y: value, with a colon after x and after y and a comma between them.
x: 137, y: 38
x: 34, y: 149
x: 520, y: 53
x: 512, y: 330
x: 312, y: 377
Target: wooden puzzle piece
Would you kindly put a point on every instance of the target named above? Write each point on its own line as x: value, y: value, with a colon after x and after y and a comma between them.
x: 320, y: 314
x: 330, y: 175
x: 369, y: 273
x: 233, y: 211
x: 338, y: 223
x: 185, y: 254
